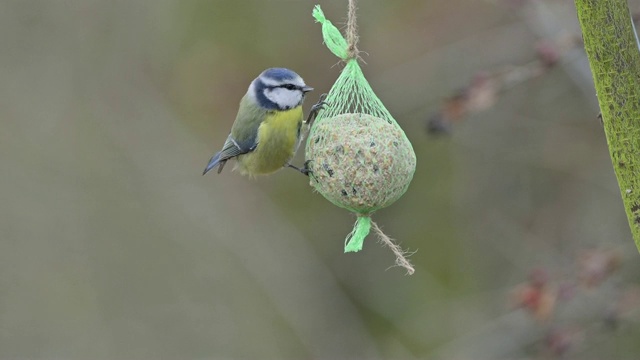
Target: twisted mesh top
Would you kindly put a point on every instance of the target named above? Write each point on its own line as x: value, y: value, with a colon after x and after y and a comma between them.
x: 351, y: 93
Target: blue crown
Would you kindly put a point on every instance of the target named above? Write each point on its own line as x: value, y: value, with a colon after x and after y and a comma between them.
x: 279, y: 74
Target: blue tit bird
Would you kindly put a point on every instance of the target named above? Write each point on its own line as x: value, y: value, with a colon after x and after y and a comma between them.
x: 267, y: 129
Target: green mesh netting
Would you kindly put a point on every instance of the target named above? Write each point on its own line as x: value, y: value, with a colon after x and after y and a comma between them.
x: 360, y: 158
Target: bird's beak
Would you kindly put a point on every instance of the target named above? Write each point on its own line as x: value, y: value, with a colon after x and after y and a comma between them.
x: 306, y: 89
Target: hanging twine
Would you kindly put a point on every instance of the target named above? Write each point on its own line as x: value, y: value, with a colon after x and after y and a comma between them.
x: 352, y: 30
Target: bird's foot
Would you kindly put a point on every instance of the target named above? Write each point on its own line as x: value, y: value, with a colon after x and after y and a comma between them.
x: 304, y: 169
x: 315, y: 109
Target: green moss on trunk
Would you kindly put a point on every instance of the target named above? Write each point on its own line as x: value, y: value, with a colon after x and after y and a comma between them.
x: 611, y: 46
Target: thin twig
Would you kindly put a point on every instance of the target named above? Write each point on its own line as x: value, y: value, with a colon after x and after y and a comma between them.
x: 401, y: 259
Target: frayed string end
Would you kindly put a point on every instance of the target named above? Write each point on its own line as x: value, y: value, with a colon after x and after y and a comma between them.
x: 401, y: 255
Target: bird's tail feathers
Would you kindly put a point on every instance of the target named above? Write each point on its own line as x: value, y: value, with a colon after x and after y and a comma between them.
x: 215, y: 161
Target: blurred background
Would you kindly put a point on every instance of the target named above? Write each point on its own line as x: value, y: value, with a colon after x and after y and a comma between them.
x: 113, y: 246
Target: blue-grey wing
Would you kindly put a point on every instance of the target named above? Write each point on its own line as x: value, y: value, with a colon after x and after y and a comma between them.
x: 231, y: 149
x: 243, y: 137
x: 244, y: 133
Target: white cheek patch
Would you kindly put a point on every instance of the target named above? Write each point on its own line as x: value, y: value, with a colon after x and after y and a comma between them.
x: 252, y: 92
x: 284, y: 98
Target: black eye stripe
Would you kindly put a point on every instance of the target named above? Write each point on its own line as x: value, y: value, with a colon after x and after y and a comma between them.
x: 289, y: 86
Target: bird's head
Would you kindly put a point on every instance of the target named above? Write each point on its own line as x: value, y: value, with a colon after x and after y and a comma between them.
x: 278, y: 89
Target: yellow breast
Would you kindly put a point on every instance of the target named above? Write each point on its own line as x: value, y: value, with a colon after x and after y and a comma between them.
x: 277, y: 141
